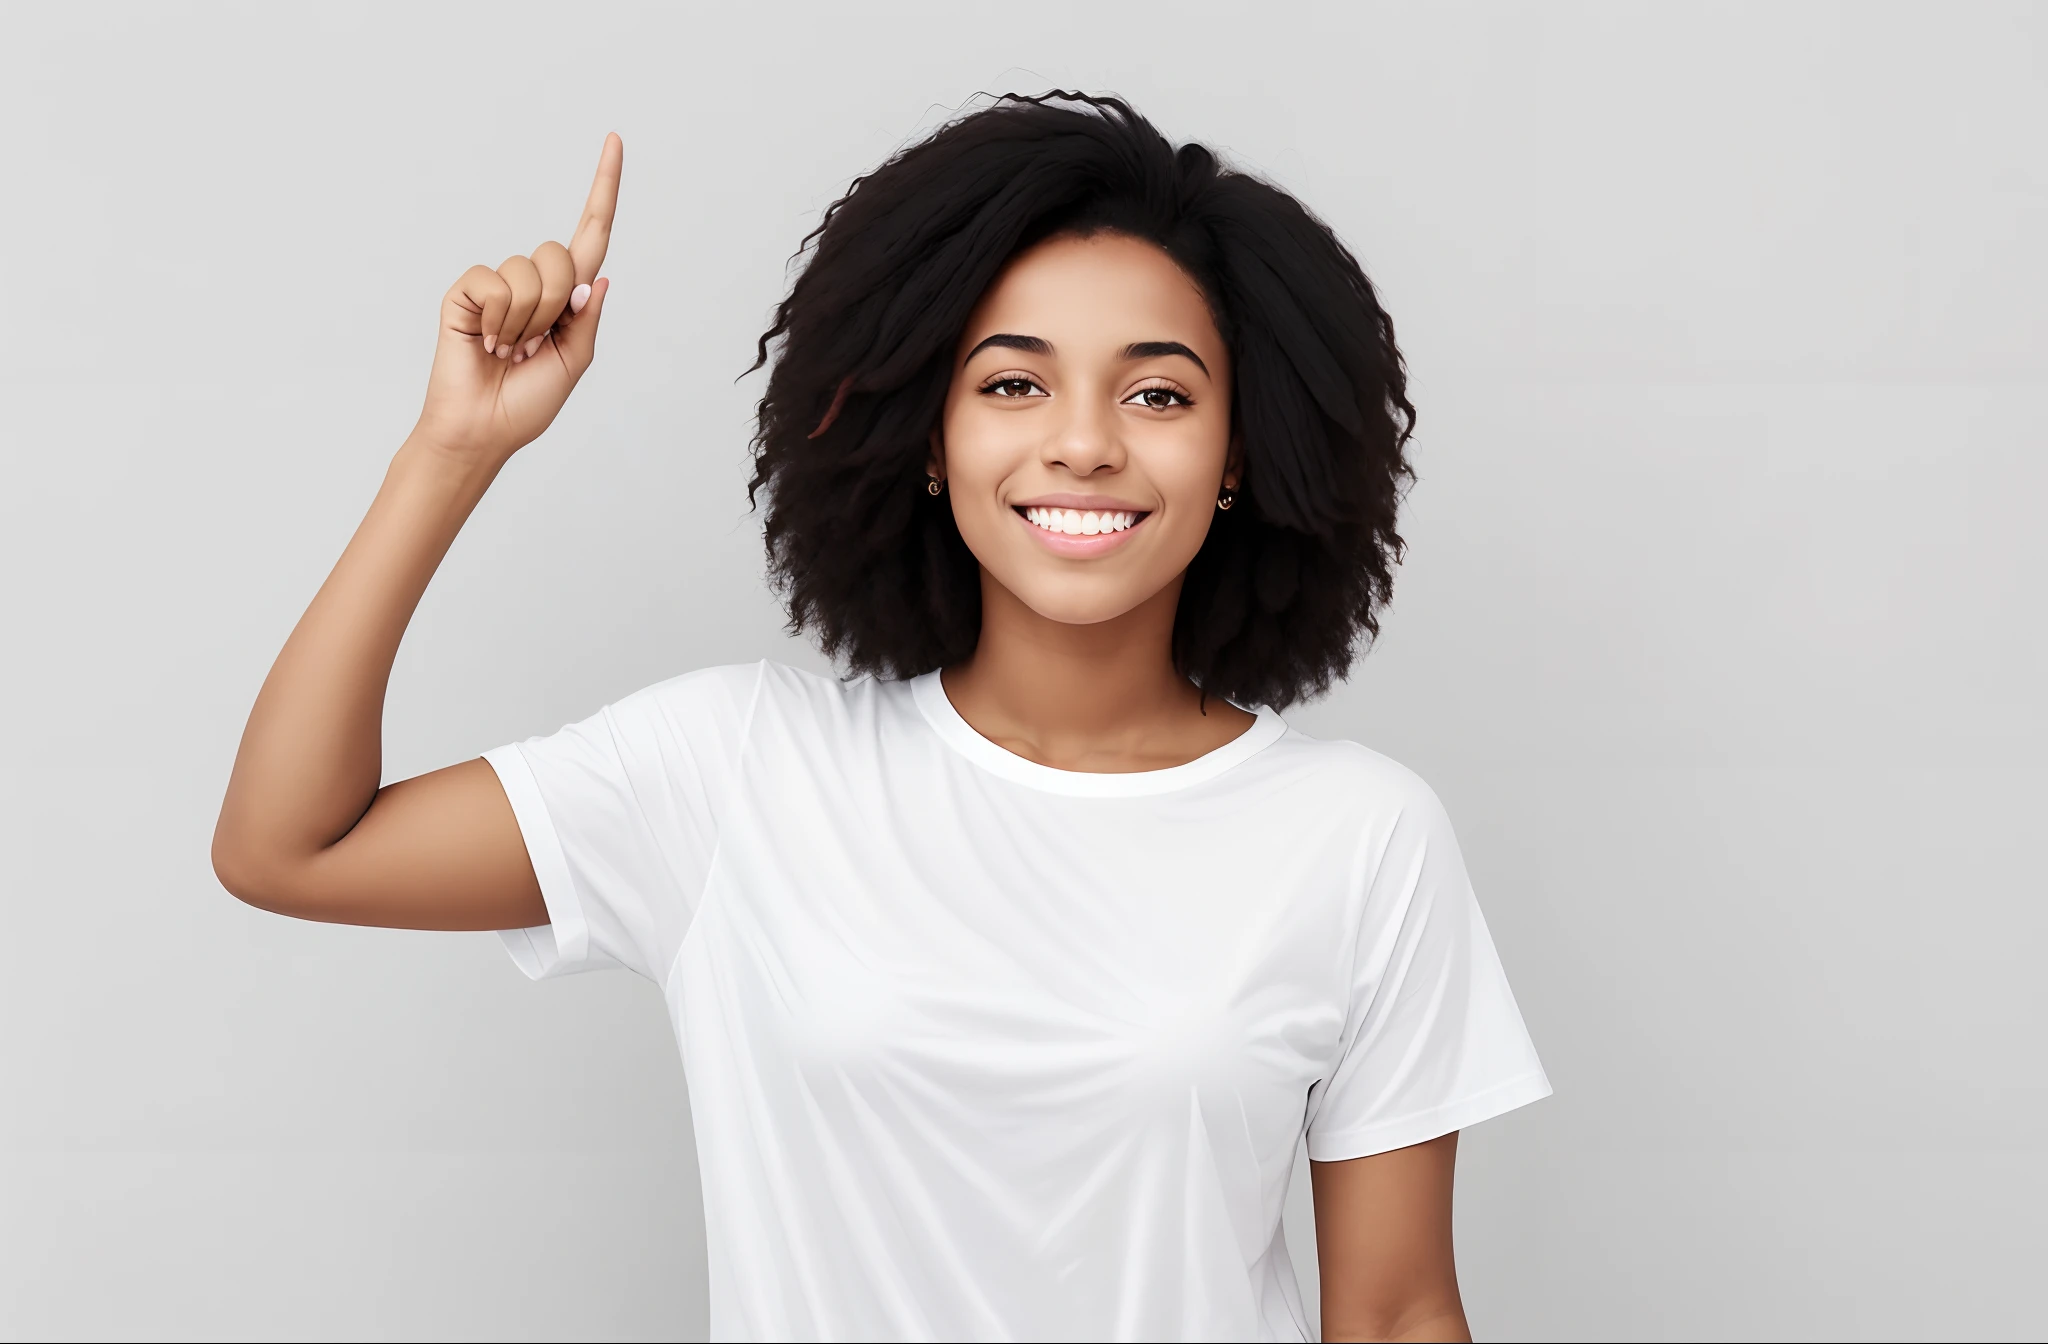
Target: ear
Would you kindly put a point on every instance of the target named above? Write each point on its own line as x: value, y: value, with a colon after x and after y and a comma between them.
x: 935, y: 463
x: 1233, y: 461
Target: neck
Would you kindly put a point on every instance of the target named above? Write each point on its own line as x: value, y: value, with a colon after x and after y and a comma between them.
x: 1103, y: 696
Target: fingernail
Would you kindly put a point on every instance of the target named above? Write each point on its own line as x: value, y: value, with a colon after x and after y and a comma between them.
x: 516, y: 357
x: 490, y: 343
x: 504, y: 352
x: 578, y: 297
x: 534, y: 345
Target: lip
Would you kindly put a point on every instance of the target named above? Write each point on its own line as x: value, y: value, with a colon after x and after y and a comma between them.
x: 1097, y: 503
x: 1075, y: 547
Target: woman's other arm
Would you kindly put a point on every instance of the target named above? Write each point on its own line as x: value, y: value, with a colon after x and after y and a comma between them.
x: 304, y: 829
x: 1383, y: 1243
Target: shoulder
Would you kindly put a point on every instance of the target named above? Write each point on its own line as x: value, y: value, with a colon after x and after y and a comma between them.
x: 726, y: 691
x: 737, y: 694
x: 1388, y: 818
x: 1368, y: 785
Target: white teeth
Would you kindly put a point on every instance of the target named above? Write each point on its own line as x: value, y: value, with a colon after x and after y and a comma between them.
x: 1079, y: 523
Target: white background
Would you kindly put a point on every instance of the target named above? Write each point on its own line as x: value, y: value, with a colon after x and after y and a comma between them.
x: 1720, y: 633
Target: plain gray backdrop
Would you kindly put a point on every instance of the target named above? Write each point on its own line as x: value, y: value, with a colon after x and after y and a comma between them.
x: 1720, y: 632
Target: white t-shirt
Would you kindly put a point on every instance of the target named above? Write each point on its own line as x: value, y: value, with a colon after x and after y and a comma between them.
x: 982, y: 1049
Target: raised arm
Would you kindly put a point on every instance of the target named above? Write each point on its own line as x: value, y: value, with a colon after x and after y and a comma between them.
x: 305, y: 830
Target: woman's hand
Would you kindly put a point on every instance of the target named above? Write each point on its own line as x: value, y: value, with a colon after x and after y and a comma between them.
x: 515, y: 340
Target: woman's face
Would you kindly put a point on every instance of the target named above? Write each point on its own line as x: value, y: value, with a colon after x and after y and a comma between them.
x: 1087, y: 429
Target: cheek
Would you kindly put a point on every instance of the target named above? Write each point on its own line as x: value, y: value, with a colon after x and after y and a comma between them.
x: 982, y: 453
x: 1185, y: 471
x: 1183, y: 463
x: 1187, y: 474
x: 981, y: 447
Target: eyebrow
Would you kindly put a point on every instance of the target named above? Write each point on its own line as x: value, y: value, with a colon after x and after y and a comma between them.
x: 1030, y: 345
x: 1038, y: 345
x: 1154, y: 349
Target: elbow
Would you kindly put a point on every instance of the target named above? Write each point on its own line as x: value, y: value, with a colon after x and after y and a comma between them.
x: 232, y: 869
x: 245, y: 875
x: 279, y: 879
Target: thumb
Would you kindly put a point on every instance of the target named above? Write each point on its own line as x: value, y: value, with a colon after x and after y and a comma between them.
x: 578, y: 336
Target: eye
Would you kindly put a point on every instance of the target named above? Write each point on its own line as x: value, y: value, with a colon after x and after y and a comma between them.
x: 1159, y: 397
x: 1012, y: 385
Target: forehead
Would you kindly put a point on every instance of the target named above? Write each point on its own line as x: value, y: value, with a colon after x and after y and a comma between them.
x: 1095, y: 295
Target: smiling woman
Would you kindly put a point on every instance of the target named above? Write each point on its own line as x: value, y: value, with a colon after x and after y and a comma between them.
x: 1010, y: 977
x: 1030, y: 255
x: 1077, y: 401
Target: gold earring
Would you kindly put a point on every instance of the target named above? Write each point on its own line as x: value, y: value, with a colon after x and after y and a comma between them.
x: 1226, y: 499
x: 933, y: 485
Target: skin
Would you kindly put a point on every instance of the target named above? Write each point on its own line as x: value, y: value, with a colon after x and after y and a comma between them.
x: 1073, y: 668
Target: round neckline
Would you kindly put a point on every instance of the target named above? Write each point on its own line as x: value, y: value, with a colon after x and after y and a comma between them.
x: 956, y: 732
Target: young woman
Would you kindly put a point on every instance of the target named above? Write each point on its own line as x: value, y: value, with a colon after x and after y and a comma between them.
x: 1009, y: 975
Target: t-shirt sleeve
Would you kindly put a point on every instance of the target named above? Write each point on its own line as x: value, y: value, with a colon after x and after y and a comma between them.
x: 1433, y: 1041
x: 620, y: 817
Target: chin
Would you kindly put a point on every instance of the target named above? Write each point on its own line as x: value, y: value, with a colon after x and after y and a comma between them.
x: 1063, y: 599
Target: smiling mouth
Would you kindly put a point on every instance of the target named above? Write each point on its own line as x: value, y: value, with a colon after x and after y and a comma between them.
x: 1080, y: 522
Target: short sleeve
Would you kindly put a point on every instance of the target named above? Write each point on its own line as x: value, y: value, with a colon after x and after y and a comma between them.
x: 1433, y: 1041
x: 620, y: 817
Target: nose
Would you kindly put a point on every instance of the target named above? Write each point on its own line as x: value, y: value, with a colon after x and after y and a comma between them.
x: 1085, y: 439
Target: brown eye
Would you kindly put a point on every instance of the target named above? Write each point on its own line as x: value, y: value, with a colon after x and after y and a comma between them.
x: 1160, y: 398
x: 1011, y: 387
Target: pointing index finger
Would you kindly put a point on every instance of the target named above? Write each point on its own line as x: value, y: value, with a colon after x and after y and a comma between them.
x: 594, y: 230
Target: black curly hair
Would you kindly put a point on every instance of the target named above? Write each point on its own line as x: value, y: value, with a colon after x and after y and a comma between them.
x: 1276, y: 599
